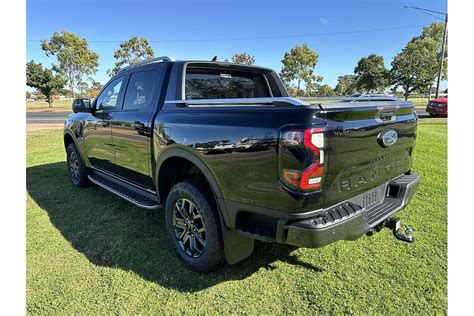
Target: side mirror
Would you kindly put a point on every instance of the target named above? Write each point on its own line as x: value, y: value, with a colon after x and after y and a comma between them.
x: 81, y: 105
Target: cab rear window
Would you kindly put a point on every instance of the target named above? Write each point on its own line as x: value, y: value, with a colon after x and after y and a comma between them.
x: 224, y: 84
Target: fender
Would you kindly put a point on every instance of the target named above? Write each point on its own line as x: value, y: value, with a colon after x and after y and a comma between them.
x: 69, y: 132
x: 236, y: 246
x: 176, y: 151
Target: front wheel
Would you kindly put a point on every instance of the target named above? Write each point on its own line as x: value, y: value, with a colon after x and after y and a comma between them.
x: 76, y: 169
x: 193, y: 224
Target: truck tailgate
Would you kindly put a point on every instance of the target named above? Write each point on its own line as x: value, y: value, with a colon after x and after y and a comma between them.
x: 367, y: 144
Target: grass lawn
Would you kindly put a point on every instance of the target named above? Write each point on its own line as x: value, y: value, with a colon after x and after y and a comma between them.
x: 89, y: 252
x: 419, y: 102
x: 59, y: 105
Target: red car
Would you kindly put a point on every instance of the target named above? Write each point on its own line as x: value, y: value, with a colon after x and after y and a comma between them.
x: 438, y: 107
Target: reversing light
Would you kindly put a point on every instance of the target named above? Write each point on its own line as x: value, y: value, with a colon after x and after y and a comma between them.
x: 311, y: 177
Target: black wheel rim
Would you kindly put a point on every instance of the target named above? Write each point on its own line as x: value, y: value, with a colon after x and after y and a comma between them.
x: 74, y: 167
x: 189, y: 228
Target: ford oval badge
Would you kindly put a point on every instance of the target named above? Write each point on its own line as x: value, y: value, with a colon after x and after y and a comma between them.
x: 387, y: 137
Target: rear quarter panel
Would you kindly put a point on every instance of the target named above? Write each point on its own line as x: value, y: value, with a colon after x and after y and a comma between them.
x: 239, y: 145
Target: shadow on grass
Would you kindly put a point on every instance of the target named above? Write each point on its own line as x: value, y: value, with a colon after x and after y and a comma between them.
x: 113, y: 233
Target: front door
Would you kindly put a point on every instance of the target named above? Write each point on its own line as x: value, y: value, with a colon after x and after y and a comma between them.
x: 98, y: 127
x: 131, y: 126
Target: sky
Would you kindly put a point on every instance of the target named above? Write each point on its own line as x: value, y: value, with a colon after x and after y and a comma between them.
x: 207, y: 28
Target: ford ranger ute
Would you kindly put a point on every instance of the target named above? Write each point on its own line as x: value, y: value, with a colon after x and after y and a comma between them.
x: 230, y: 158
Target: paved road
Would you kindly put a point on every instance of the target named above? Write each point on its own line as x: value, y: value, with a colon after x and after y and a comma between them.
x: 45, y: 117
x: 58, y: 117
x: 422, y: 113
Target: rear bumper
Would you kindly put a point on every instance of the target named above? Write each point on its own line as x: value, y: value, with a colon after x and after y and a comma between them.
x: 350, y: 219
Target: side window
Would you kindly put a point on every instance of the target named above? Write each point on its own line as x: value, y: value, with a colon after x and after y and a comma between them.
x: 139, y: 93
x: 108, y: 99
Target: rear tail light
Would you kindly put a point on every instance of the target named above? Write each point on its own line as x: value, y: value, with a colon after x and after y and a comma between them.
x: 302, y: 159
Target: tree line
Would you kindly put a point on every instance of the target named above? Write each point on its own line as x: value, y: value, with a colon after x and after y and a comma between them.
x: 413, y: 69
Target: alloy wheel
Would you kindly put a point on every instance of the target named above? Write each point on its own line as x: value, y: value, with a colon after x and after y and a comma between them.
x: 189, y: 227
x: 74, y: 167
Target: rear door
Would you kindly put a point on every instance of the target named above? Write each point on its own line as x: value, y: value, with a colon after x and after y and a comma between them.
x: 132, y: 125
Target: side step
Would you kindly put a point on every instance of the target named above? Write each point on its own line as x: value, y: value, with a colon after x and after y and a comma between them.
x: 124, y: 190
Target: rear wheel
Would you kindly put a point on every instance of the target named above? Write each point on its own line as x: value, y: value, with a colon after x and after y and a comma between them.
x: 193, y: 224
x: 76, y: 170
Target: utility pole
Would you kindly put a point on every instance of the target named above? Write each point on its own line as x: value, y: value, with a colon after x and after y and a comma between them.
x: 441, y: 62
x: 443, y: 45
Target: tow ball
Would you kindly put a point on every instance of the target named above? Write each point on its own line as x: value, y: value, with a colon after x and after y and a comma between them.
x: 394, y: 225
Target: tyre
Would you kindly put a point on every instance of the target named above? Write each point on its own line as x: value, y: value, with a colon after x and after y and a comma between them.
x: 193, y: 224
x: 76, y: 169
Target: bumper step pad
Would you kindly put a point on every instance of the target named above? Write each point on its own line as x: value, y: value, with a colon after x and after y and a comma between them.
x: 404, y: 191
x: 338, y: 213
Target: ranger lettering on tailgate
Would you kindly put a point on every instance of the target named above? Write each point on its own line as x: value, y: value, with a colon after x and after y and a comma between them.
x: 369, y: 175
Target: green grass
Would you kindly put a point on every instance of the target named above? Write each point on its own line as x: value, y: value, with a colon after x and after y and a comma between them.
x: 89, y: 252
x: 43, y: 105
x: 419, y: 102
x: 433, y: 121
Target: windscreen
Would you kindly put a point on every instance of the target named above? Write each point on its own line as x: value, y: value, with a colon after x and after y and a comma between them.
x: 224, y: 84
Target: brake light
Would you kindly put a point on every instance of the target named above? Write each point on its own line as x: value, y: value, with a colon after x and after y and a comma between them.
x: 307, y: 161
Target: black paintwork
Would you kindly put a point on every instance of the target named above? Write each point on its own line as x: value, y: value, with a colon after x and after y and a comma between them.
x: 237, y: 147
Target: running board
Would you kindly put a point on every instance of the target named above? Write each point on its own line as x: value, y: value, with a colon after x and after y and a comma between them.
x: 124, y: 190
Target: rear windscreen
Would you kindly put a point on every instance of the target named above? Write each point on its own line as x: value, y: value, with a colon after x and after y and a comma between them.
x: 224, y: 84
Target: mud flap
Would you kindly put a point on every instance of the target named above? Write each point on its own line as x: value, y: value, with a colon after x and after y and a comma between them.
x: 236, y: 246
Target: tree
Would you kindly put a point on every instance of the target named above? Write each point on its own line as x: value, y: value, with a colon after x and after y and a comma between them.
x: 435, y: 32
x: 75, y: 58
x: 83, y: 88
x: 94, y: 89
x: 293, y: 92
x: 243, y: 58
x: 325, y: 91
x: 310, y: 90
x: 298, y: 66
x: 415, y: 67
x: 43, y: 80
x: 346, y: 85
x: 371, y: 74
x: 130, y: 52
x: 28, y: 95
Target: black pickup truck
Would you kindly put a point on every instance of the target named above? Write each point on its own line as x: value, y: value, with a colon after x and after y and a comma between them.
x: 230, y: 158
